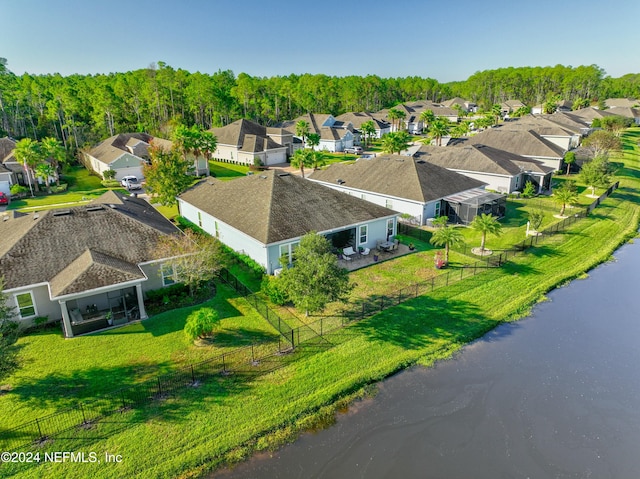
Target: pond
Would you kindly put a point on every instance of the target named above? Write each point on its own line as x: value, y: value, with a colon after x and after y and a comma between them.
x: 555, y: 395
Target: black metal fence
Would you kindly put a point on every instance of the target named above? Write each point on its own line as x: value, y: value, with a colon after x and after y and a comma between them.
x: 257, y: 358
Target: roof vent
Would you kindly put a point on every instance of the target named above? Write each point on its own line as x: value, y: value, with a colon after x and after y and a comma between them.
x: 112, y: 206
x: 422, y: 162
x: 5, y: 218
x: 340, y: 181
x: 94, y: 208
x: 264, y: 177
x: 284, y: 174
x: 62, y: 213
x: 36, y: 216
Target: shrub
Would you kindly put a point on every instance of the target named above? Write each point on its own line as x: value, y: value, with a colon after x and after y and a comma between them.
x: 109, y: 174
x: 18, y: 190
x: 529, y: 190
x: 274, y: 290
x: 59, y: 189
x: 201, y: 323
x: 110, y: 183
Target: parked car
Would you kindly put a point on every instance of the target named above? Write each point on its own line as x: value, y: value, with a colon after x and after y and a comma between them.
x: 356, y: 150
x: 4, y: 199
x: 130, y: 182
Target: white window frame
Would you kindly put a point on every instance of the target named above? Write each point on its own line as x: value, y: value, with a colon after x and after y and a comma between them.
x: 200, y: 219
x: 33, y: 305
x: 363, y: 229
x: 388, y: 204
x: 391, y: 231
x: 288, y: 250
x: 170, y: 278
x: 437, y: 210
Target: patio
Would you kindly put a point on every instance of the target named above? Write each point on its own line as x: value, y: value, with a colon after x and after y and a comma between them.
x: 359, y: 260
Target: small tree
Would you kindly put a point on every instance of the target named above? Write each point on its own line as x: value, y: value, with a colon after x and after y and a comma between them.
x: 595, y: 174
x: 440, y: 221
x: 529, y: 190
x: 109, y: 174
x: 368, y: 129
x: 486, y: 224
x: 8, y: 335
x: 569, y: 159
x: 302, y: 159
x: 565, y: 195
x: 167, y: 176
x: 43, y: 172
x: 602, y: 142
x: 536, y: 217
x: 446, y: 236
x: 195, y: 258
x: 313, y: 140
x: 315, y: 279
x: 201, y: 323
x: 396, y: 142
x: 302, y: 130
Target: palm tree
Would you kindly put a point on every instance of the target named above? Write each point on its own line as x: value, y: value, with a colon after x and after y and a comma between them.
x: 396, y: 142
x: 569, y: 159
x: 28, y: 153
x: 446, y: 236
x: 368, y: 129
x: 313, y: 139
x: 318, y: 159
x: 395, y: 114
x: 302, y: 130
x: 565, y: 195
x: 427, y: 117
x: 496, y: 112
x: 44, y: 171
x: 55, y: 153
x: 185, y: 140
x: 461, y: 129
x: 208, y: 144
x: 302, y: 158
x: 439, y: 128
x: 486, y: 224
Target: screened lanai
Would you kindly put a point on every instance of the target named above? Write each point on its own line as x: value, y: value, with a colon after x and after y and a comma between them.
x: 462, y: 208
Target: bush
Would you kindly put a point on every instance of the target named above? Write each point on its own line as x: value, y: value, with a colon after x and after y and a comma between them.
x: 274, y: 290
x: 110, y: 183
x: 201, y: 323
x: 18, y: 190
x: 529, y: 190
x: 59, y: 189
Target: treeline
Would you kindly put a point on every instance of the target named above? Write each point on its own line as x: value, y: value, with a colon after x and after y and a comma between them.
x: 81, y: 110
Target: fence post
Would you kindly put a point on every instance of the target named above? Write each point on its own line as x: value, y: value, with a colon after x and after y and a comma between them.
x: 461, y: 271
x: 124, y: 402
x: 381, y: 303
x: 417, y: 286
x: 253, y: 358
x: 224, y: 366
x: 432, y: 281
x: 475, y: 266
x: 362, y: 317
x: 40, y: 436
x: 84, y: 419
x: 400, y: 296
x: 447, y: 278
x: 159, y: 387
x: 293, y: 343
x: 193, y: 375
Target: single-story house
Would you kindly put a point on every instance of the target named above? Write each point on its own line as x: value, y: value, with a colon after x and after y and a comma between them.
x: 526, y: 143
x: 468, y: 106
x: 555, y: 133
x: 510, y: 106
x: 357, y: 119
x: 124, y: 153
x: 590, y: 113
x: 335, y: 135
x: 501, y: 170
x: 265, y: 215
x: 622, y: 102
x: 11, y: 170
x: 400, y: 183
x: 412, y: 122
x: 627, y: 112
x: 242, y: 141
x: 570, y: 122
x: 81, y: 263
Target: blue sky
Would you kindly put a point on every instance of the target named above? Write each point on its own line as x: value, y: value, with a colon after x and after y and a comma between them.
x: 446, y: 40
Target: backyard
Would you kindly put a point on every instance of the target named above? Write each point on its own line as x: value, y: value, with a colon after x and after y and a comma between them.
x: 207, y: 426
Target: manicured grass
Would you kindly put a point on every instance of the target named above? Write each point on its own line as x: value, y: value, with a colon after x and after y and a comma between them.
x: 55, y: 372
x: 230, y: 418
x: 227, y: 171
x: 168, y: 212
x: 80, y: 179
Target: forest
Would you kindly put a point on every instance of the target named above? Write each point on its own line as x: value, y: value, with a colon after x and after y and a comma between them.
x: 81, y: 110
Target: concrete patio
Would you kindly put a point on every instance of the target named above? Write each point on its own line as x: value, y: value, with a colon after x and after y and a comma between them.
x: 359, y: 261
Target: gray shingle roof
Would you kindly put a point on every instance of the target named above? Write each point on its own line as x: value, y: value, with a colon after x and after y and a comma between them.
x: 274, y: 206
x: 49, y: 246
x: 357, y: 119
x: 481, y: 159
x: 7, y: 145
x: 115, y: 146
x: 246, y: 135
x: 519, y: 142
x: 590, y: 113
x: 398, y: 176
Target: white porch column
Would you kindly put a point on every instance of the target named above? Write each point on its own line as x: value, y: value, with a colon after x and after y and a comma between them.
x: 68, y: 332
x: 143, y: 312
x: 540, y: 184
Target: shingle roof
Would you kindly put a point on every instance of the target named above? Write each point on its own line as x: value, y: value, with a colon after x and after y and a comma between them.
x: 519, y: 142
x: 481, y: 159
x: 357, y: 119
x: 569, y: 121
x: 7, y: 145
x: 398, y: 176
x: 539, y: 124
x: 246, y: 135
x: 627, y: 112
x: 115, y: 146
x: 622, y: 102
x: 274, y: 206
x: 47, y: 246
x: 590, y: 113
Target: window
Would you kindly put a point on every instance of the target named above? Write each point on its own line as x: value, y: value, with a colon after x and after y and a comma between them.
x: 437, y: 212
x: 362, y: 236
x: 389, y: 204
x: 26, y: 305
x: 390, y: 227
x: 216, y: 226
x: 288, y: 251
x: 200, y: 219
x: 363, y: 196
x: 168, y: 274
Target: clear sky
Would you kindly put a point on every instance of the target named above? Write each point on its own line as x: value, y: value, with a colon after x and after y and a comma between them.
x: 446, y: 40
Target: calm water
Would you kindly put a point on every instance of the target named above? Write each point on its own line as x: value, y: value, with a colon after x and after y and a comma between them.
x: 556, y: 395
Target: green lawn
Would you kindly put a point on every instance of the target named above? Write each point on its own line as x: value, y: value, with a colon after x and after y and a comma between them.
x: 227, y: 171
x: 55, y: 372
x: 229, y: 418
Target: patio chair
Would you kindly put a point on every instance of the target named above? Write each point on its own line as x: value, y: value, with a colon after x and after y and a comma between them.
x: 395, y: 245
x: 346, y: 258
x: 348, y: 251
x: 378, y: 244
x: 365, y: 252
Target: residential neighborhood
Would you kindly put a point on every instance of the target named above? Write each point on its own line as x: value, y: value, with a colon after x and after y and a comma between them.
x: 226, y: 241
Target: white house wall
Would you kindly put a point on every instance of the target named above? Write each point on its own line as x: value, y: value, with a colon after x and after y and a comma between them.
x: 127, y: 164
x: 227, y: 234
x: 503, y: 184
x: 555, y: 163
